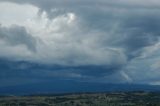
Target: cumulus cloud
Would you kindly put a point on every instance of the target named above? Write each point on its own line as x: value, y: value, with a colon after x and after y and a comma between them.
x: 93, y: 38
x: 64, y: 41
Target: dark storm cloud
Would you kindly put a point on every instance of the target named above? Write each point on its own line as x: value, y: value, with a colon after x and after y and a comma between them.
x: 11, y: 70
x: 129, y: 26
x: 138, y: 31
x: 17, y: 35
x: 129, y: 29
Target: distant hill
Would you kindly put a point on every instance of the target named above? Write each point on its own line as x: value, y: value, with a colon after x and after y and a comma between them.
x: 72, y: 87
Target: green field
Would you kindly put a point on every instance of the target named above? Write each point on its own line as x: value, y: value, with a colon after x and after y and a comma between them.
x: 85, y: 99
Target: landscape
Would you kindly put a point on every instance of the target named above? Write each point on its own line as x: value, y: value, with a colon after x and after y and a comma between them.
x: 79, y: 52
x: 86, y: 99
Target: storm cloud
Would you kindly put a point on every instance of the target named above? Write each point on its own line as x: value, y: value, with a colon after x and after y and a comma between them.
x: 16, y: 35
x: 93, y: 40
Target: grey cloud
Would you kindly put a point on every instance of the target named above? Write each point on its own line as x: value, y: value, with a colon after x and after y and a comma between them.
x: 113, y: 3
x: 119, y: 25
x: 82, y: 6
x: 122, y: 27
x: 140, y: 31
x: 130, y: 31
x: 17, y: 35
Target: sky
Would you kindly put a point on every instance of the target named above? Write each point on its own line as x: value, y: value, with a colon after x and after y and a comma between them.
x: 102, y: 41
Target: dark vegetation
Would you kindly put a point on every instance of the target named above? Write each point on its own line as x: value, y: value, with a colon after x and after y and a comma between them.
x: 85, y: 99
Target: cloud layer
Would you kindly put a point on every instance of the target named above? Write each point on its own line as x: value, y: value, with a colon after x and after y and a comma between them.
x: 105, y: 41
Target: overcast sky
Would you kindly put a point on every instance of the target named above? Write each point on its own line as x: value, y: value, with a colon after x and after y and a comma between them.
x: 109, y: 41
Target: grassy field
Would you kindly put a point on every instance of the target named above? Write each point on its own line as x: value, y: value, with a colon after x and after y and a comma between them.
x: 85, y: 99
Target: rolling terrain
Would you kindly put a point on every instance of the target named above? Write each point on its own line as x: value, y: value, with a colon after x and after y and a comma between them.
x: 85, y: 99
